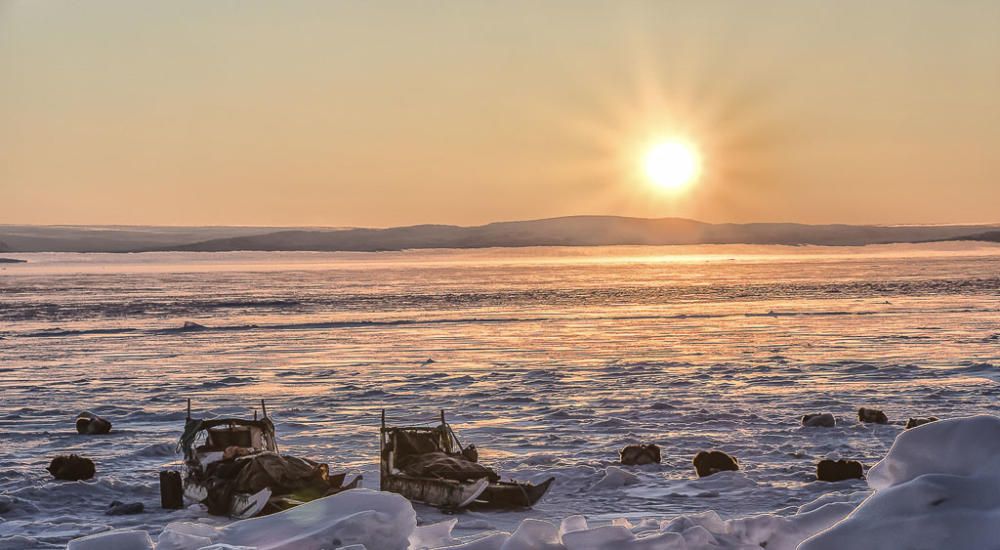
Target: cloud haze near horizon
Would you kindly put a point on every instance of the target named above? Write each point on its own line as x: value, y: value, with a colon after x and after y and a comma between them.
x: 386, y: 114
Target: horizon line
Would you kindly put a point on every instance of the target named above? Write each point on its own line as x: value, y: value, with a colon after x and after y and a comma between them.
x: 528, y: 220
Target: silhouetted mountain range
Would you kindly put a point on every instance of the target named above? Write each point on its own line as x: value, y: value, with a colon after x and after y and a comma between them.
x: 70, y: 238
x: 567, y: 231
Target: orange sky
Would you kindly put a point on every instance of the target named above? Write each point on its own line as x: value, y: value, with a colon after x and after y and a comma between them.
x: 393, y: 113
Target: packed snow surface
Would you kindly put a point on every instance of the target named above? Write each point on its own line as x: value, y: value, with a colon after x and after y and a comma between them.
x: 549, y: 360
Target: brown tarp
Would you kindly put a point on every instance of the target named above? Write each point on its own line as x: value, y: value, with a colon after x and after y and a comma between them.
x: 282, y: 474
x: 442, y: 465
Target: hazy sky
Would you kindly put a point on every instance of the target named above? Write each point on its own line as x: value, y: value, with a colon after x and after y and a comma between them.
x: 387, y: 113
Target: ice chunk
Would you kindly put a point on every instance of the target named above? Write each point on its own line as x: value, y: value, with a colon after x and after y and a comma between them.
x: 659, y: 541
x: 494, y: 541
x: 434, y: 535
x: 614, y: 478
x: 697, y: 536
x: 709, y: 520
x: 177, y: 540
x: 623, y: 522
x: 608, y: 536
x: 113, y: 540
x: 359, y: 516
x: 644, y: 525
x: 185, y: 535
x: 534, y: 534
x: 572, y: 523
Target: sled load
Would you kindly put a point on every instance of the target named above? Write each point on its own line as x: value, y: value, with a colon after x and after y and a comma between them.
x: 232, y: 465
x: 428, y: 464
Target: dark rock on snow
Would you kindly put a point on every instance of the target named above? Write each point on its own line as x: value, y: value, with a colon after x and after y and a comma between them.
x: 839, y: 470
x: 819, y: 420
x: 71, y: 468
x: 873, y: 416
x: 707, y: 463
x: 89, y: 423
x: 914, y: 422
x: 638, y: 455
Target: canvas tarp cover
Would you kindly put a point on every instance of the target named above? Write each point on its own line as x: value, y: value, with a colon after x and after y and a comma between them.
x: 282, y: 474
x: 445, y: 466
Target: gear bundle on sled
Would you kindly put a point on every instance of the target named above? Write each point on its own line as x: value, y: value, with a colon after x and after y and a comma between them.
x: 232, y: 465
x: 430, y: 466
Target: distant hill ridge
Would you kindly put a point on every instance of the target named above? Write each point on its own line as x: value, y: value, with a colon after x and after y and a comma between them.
x: 565, y: 231
x: 989, y: 236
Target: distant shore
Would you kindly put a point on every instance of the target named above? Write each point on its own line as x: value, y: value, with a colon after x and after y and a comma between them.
x: 566, y: 231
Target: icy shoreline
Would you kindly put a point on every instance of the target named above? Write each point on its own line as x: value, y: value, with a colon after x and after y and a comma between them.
x: 937, y: 487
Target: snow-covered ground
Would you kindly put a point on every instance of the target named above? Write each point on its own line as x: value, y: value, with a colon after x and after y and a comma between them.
x: 549, y: 360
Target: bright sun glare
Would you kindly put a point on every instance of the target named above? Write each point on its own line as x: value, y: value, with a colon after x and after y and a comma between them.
x: 672, y: 164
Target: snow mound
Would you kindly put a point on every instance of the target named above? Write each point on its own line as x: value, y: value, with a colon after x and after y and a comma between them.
x: 961, y: 446
x: 938, y: 487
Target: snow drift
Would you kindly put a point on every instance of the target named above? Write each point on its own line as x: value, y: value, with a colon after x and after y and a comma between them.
x: 938, y: 487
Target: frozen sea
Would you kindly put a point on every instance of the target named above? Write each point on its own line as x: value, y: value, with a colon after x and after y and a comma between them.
x: 548, y: 359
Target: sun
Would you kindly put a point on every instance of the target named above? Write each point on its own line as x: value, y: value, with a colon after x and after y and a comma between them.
x: 672, y: 164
